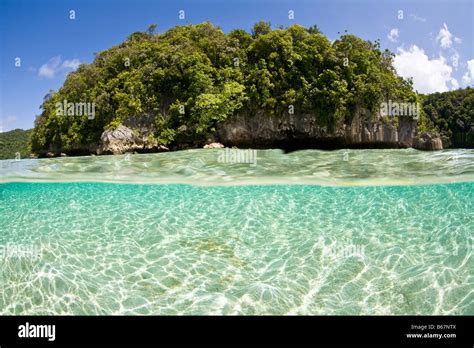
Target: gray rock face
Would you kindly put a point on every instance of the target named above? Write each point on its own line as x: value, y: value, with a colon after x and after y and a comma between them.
x: 365, y: 129
x: 123, y: 139
x: 427, y: 142
x: 264, y: 130
x: 406, y: 131
x: 121, y: 134
x: 118, y: 140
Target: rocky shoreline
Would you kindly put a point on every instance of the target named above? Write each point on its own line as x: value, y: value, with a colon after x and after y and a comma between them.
x: 260, y: 131
x: 121, y: 141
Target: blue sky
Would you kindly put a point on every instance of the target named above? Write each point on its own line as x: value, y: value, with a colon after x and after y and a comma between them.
x: 433, y: 41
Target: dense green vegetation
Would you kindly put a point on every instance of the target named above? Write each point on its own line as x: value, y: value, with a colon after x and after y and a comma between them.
x: 451, y: 114
x: 14, y: 141
x: 192, y: 77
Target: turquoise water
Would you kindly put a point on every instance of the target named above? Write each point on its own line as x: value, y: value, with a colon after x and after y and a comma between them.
x: 355, y: 246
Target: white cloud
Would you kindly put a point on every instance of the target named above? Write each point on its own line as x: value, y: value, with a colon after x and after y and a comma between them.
x: 429, y: 75
x: 445, y: 38
x: 393, y: 35
x: 454, y: 84
x: 73, y: 63
x: 54, y: 66
x: 468, y: 77
x: 50, y: 68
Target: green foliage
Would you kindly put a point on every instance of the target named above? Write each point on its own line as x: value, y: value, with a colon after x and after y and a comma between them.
x: 261, y: 28
x: 452, y: 115
x: 14, y: 141
x: 190, y: 78
x: 210, y: 108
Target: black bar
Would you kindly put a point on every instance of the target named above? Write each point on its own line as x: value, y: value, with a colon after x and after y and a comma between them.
x: 346, y: 330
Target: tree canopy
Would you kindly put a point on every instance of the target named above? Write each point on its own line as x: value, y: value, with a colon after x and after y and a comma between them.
x: 452, y: 115
x: 14, y: 142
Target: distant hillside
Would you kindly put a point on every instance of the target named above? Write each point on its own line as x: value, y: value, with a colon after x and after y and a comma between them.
x: 14, y: 141
x: 452, y: 115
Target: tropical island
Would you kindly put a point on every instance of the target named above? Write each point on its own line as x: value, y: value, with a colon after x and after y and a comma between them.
x: 289, y: 88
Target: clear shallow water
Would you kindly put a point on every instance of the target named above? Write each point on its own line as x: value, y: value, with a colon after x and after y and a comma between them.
x: 203, y: 167
x: 104, y: 248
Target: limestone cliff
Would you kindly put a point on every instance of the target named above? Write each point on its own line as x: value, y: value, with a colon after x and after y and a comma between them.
x: 299, y: 131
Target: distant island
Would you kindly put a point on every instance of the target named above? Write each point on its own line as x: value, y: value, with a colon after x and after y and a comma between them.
x: 15, y: 142
x: 289, y: 88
